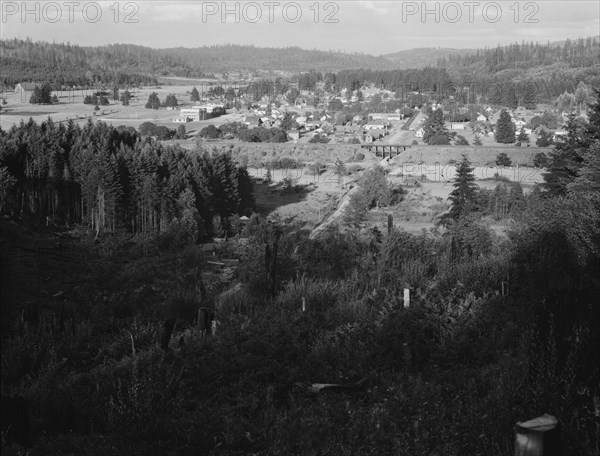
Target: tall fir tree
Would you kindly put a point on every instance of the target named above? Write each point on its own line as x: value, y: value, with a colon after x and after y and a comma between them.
x: 434, y: 126
x: 565, y: 160
x: 529, y: 96
x: 464, y: 195
x: 505, y: 129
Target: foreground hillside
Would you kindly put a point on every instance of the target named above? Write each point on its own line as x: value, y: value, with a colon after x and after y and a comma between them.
x: 158, y: 321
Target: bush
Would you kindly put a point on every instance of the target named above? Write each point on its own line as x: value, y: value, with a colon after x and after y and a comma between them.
x: 359, y: 156
x: 503, y: 160
x: 540, y: 160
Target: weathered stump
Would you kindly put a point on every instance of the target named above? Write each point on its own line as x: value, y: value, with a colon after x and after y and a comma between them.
x: 164, y: 334
x: 538, y: 437
x: 204, y: 319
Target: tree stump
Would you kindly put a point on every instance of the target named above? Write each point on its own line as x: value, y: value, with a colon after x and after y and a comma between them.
x: 204, y: 319
x: 164, y: 334
x: 538, y: 437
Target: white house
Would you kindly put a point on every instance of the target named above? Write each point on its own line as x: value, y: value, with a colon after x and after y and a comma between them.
x: 457, y: 126
x: 481, y: 118
x: 375, y: 125
x: 25, y: 87
x: 395, y: 116
x: 520, y: 124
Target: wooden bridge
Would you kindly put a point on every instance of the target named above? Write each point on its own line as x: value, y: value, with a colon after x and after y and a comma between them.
x: 383, y: 150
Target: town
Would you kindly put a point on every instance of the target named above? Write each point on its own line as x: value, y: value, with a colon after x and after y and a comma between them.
x: 231, y: 250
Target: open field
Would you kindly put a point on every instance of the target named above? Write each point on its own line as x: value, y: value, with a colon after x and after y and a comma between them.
x: 70, y: 106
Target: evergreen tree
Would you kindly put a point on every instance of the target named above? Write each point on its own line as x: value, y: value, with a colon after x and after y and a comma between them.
x: 540, y: 160
x: 434, y: 127
x: 153, y: 101
x: 593, y: 128
x: 565, y: 160
x: 477, y: 141
x: 171, y: 100
x: 115, y: 93
x: 503, y: 160
x: 544, y: 139
x: 465, y: 192
x: 522, y: 137
x: 125, y: 98
x: 41, y: 95
x: 505, y: 129
x: 529, y: 96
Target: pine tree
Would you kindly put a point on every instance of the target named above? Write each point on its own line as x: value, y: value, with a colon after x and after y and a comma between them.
x: 125, y: 98
x: 195, y: 95
x: 565, y: 160
x: 522, y: 136
x: 505, y: 129
x: 153, y: 101
x: 529, y: 96
x: 434, y: 127
x: 465, y: 192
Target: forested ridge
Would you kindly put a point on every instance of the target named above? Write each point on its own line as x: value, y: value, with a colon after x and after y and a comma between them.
x: 71, y: 64
x: 551, y: 69
x: 233, y: 57
x: 109, y: 178
x: 579, y: 53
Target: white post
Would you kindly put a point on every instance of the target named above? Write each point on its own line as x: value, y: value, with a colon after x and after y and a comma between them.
x: 214, y: 325
x: 406, y: 298
x: 303, y: 304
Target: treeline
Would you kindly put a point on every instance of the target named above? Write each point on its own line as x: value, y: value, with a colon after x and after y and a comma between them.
x: 580, y: 53
x: 232, y: 58
x: 109, y: 178
x: 67, y: 64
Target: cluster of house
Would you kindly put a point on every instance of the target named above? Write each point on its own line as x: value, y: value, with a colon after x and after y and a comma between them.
x: 200, y: 112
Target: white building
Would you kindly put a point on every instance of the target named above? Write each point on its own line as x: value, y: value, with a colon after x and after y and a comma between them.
x: 194, y: 114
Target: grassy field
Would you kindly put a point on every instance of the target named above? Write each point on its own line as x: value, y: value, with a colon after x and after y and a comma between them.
x: 479, y: 155
x: 70, y: 106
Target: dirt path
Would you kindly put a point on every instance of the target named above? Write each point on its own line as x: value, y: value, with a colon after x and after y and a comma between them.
x: 337, y: 215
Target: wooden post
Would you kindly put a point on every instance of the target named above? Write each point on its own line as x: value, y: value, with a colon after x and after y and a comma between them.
x: 406, y: 298
x: 390, y: 224
x: 538, y: 437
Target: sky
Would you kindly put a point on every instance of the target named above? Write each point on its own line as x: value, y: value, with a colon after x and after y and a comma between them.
x: 364, y: 26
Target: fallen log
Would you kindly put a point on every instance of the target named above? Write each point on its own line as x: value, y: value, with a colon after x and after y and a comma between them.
x: 316, y: 388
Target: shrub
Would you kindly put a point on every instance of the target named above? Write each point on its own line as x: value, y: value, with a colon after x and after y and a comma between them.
x: 503, y: 160
x: 540, y: 160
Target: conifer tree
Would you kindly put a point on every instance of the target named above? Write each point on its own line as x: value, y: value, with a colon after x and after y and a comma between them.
x: 195, y: 95
x: 565, y: 160
x: 465, y: 192
x: 505, y: 129
x: 153, y: 101
x: 434, y: 126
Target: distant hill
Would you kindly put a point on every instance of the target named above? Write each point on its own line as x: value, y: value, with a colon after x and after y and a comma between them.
x: 233, y: 57
x: 423, y: 57
x: 567, y: 62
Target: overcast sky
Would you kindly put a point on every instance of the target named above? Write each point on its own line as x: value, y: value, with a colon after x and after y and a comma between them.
x: 374, y: 27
